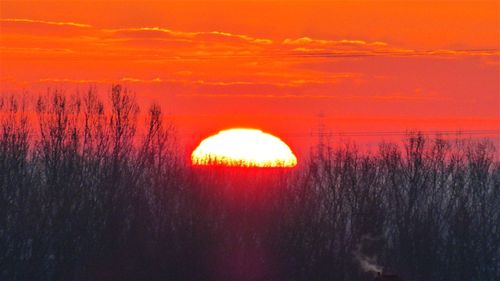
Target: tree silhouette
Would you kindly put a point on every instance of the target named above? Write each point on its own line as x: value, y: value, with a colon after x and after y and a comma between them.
x: 90, y: 191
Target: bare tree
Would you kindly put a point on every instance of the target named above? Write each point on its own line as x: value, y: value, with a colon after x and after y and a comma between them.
x: 87, y: 192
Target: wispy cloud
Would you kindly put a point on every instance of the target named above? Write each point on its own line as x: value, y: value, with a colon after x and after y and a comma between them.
x: 206, y: 36
x: 220, y: 64
x: 387, y: 98
x: 311, y: 41
x: 158, y: 42
x: 98, y: 81
x: 59, y: 23
x: 31, y: 50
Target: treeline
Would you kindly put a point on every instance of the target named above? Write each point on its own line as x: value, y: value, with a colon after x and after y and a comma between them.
x: 95, y: 189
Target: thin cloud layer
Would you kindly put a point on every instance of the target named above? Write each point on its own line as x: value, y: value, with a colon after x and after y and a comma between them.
x: 160, y: 42
x: 31, y: 21
x: 219, y: 65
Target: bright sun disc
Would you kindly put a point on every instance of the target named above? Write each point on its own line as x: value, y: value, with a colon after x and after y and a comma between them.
x: 243, y: 148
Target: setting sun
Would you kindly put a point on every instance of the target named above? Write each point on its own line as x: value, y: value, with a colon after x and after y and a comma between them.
x: 244, y: 148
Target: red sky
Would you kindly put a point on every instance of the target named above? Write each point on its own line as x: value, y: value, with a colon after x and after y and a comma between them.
x: 275, y: 65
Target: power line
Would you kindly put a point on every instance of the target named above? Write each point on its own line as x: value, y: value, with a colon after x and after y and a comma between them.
x: 381, y: 133
x: 400, y: 133
x: 322, y: 134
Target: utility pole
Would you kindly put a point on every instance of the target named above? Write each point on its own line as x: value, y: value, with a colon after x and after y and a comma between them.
x: 320, y: 133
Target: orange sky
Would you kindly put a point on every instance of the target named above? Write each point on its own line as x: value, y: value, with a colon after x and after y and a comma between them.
x: 275, y: 65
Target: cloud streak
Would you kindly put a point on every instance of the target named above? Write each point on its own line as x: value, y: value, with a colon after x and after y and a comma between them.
x: 232, y: 65
x: 57, y: 23
x: 165, y: 43
x: 387, y: 98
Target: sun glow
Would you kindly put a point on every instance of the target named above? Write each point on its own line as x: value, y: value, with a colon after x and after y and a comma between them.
x: 243, y: 148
